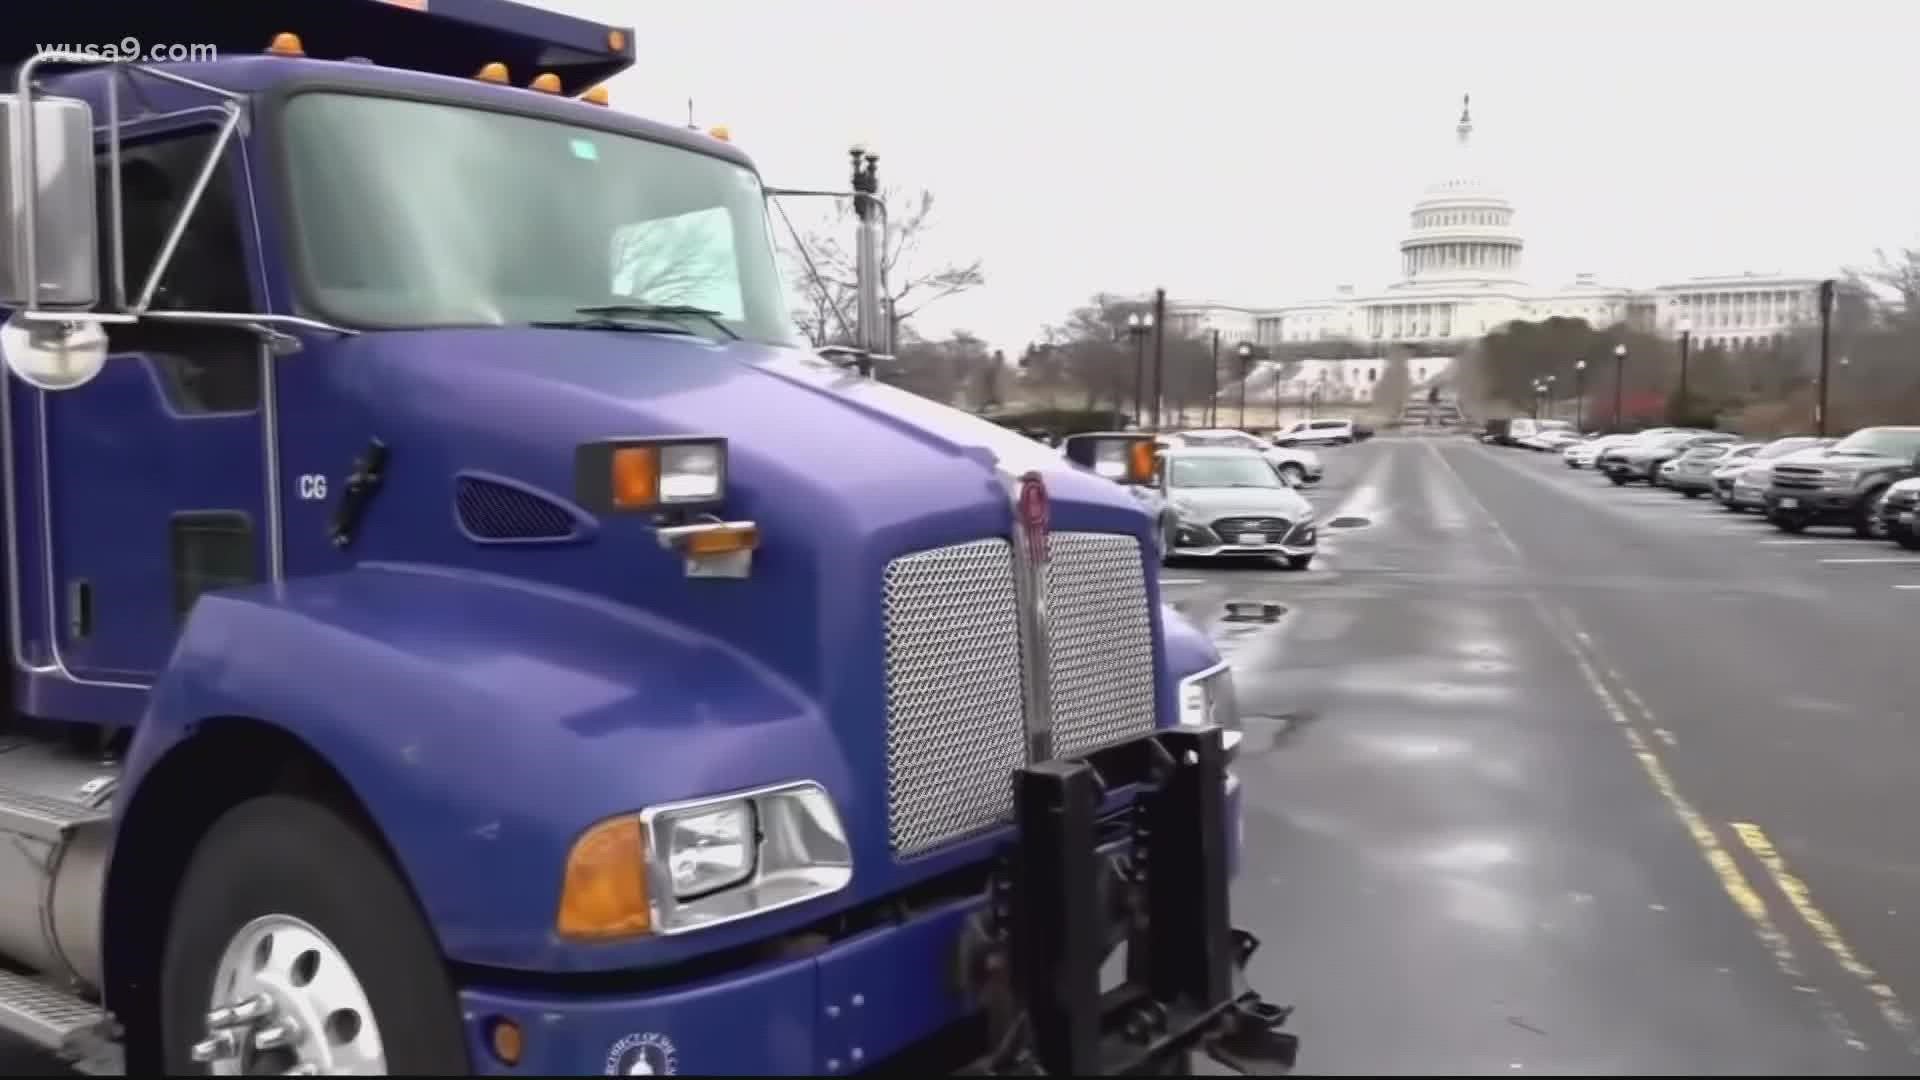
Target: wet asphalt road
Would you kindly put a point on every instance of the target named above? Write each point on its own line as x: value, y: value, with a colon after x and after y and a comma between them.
x: 1545, y: 776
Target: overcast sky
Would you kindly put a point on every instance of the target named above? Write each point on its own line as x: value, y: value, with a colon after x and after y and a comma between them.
x: 1258, y: 152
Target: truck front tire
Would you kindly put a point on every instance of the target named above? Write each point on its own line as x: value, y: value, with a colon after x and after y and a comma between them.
x: 287, y: 868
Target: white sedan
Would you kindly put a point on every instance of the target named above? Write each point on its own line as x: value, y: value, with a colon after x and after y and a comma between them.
x: 1582, y: 455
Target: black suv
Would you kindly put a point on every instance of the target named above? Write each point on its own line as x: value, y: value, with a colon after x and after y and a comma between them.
x: 1843, y: 486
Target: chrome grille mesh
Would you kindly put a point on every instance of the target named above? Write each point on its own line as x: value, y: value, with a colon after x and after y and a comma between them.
x: 955, y: 707
x: 1100, y: 641
x: 955, y: 729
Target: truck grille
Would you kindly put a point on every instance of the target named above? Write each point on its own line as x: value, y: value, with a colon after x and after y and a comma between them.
x: 955, y: 706
x: 1100, y: 641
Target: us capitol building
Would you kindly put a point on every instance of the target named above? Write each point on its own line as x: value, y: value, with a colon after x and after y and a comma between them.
x: 1460, y: 267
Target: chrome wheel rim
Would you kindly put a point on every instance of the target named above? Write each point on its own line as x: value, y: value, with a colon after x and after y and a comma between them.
x: 286, y: 1002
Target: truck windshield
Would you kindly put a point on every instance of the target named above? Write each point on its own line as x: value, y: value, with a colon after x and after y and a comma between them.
x: 413, y: 213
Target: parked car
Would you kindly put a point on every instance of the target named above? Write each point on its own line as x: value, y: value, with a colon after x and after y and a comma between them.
x: 1300, y: 465
x: 1515, y: 431
x: 1229, y: 501
x: 1641, y: 459
x: 1845, y: 485
x: 1900, y: 513
x: 1693, y: 471
x: 1544, y: 433
x: 1583, y: 454
x: 1742, y: 485
x: 1663, y: 476
x: 1316, y: 433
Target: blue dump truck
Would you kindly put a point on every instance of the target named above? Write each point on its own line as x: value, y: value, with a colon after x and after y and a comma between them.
x: 457, y: 626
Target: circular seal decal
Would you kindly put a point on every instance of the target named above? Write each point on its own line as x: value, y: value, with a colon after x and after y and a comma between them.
x: 651, y: 1054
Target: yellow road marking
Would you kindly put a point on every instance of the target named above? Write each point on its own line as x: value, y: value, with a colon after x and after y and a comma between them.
x: 1734, y: 881
x: 1824, y: 930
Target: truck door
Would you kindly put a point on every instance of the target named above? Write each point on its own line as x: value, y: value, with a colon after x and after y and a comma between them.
x: 156, y: 470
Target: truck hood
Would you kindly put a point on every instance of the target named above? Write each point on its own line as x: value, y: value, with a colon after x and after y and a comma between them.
x: 788, y: 415
x: 841, y: 474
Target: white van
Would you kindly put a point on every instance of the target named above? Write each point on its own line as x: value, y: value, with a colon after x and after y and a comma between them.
x: 1316, y: 433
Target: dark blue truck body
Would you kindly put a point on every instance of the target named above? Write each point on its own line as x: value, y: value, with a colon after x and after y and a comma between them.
x: 492, y: 666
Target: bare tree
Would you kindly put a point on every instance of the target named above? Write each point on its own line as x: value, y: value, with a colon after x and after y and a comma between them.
x: 675, y: 260
x: 1089, y: 357
x: 1892, y: 286
x: 829, y: 310
x: 960, y: 370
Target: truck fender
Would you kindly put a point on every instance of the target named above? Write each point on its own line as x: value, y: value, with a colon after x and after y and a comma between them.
x: 1189, y: 650
x: 482, y: 723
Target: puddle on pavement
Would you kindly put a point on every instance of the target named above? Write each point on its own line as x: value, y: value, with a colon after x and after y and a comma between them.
x: 1266, y: 732
x: 1350, y: 522
x: 1253, y: 611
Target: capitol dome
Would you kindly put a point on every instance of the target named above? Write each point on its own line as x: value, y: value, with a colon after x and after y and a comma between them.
x: 1462, y: 227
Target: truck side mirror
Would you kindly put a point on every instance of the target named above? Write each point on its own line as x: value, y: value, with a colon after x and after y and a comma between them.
x: 61, y: 226
x: 50, y: 261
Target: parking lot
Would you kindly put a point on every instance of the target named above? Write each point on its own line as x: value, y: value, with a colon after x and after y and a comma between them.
x: 1548, y: 775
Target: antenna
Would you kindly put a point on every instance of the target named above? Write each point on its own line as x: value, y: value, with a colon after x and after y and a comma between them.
x: 690, y: 123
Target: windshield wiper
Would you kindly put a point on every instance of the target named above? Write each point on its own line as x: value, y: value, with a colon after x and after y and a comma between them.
x: 613, y: 324
x: 654, y: 311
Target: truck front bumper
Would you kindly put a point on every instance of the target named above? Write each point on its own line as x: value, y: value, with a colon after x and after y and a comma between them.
x: 1007, y: 981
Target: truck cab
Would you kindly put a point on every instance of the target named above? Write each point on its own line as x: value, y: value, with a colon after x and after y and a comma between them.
x: 456, y: 624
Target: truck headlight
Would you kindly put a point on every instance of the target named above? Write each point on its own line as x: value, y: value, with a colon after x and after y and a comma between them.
x: 690, y: 472
x: 1206, y: 697
x: 648, y: 475
x: 682, y: 866
x: 724, y: 858
x: 708, y: 849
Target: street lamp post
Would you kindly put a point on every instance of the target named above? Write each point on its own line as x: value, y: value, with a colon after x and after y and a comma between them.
x: 1245, y: 352
x: 1579, y: 394
x: 1546, y: 387
x: 1139, y: 325
x: 1619, y: 375
x: 1686, y: 346
x: 1826, y: 328
x: 1211, y: 413
x: 1159, y: 326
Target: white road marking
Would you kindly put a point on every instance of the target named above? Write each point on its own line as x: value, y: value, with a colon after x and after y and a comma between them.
x: 1815, y: 540
x: 1894, y: 559
x: 1907, y: 586
x: 1182, y: 581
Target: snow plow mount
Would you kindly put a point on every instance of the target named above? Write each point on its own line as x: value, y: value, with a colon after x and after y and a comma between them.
x: 1059, y: 906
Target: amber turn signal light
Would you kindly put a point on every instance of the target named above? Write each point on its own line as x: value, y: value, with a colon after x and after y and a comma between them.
x: 604, y: 893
